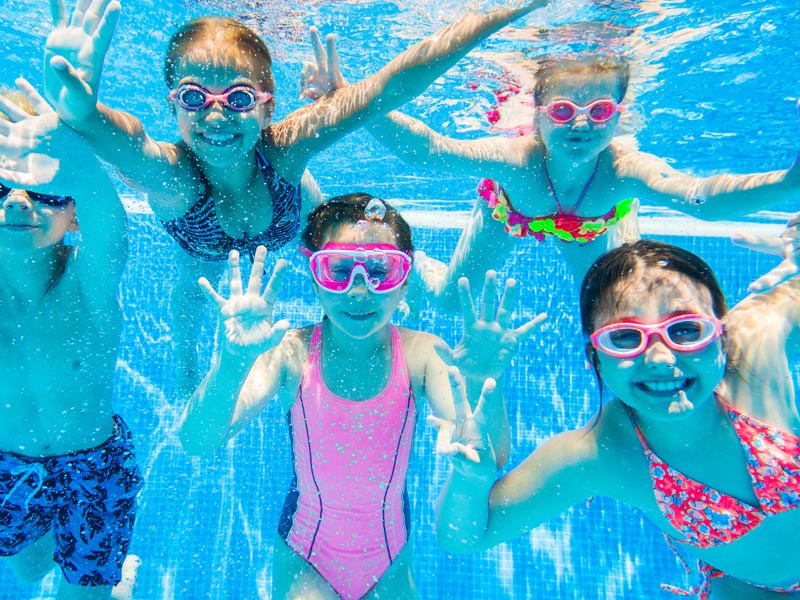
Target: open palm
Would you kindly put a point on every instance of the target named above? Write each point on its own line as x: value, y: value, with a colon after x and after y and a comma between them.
x: 247, y: 315
x: 74, y: 54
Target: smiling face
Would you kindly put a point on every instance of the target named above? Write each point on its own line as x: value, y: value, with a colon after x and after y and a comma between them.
x: 579, y: 138
x: 27, y: 226
x: 220, y: 136
x: 359, y: 312
x: 654, y: 383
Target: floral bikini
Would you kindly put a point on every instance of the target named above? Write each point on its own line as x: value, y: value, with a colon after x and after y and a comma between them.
x: 707, y: 517
x: 565, y: 225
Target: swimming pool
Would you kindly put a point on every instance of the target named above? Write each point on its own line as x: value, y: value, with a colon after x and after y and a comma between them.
x: 723, y: 100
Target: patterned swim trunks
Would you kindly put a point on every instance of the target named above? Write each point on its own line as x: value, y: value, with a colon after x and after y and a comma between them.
x: 87, y: 498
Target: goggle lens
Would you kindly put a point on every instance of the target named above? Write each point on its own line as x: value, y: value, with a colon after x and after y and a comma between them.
x: 561, y: 112
x: 241, y: 99
x: 684, y: 333
x: 601, y: 111
x: 46, y: 199
x: 191, y: 98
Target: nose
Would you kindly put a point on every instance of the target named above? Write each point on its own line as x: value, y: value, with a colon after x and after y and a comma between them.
x: 658, y: 354
x: 581, y: 121
x: 360, y: 288
x: 17, y: 200
x: 214, y: 111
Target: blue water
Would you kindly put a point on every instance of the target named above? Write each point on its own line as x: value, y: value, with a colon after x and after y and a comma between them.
x: 722, y: 99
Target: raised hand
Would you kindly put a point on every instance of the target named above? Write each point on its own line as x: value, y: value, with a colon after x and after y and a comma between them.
x: 787, y: 246
x: 323, y: 75
x: 247, y: 315
x: 489, y: 342
x: 31, y: 145
x: 74, y: 54
x: 466, y: 440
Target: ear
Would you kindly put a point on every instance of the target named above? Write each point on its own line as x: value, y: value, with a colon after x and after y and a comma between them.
x: 591, y: 356
x: 171, y: 104
x: 73, y: 226
x: 269, y: 111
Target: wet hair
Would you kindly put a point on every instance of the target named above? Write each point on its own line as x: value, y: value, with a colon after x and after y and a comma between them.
x: 220, y: 41
x: 630, y: 260
x: 349, y: 209
x: 550, y: 71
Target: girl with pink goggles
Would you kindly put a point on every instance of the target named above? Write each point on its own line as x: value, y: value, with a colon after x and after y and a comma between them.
x: 383, y: 267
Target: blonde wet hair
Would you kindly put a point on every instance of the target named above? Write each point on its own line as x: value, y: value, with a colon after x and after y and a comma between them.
x: 222, y: 42
x: 551, y: 71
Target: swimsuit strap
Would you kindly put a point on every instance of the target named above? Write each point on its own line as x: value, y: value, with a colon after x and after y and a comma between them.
x: 582, y: 195
x: 638, y: 431
x: 314, y: 368
x: 702, y: 589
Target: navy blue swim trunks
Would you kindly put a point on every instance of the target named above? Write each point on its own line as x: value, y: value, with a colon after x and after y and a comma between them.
x: 87, y: 498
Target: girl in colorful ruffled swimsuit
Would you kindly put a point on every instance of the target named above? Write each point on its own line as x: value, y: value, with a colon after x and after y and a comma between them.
x: 702, y: 435
x: 351, y: 387
x: 555, y: 180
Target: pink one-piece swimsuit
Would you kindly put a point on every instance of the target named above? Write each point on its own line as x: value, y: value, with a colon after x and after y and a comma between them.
x: 347, y: 511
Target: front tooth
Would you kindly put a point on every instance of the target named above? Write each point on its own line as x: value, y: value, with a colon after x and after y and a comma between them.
x: 664, y: 386
x: 218, y: 137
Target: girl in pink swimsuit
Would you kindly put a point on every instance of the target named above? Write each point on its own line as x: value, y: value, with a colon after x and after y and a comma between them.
x: 351, y: 387
x: 702, y: 434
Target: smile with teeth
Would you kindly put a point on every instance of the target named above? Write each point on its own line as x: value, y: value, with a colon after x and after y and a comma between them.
x: 671, y: 386
x: 218, y: 139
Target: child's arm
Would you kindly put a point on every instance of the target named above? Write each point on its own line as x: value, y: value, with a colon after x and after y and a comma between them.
x: 711, y: 198
x: 251, y: 365
x: 485, y: 351
x: 412, y: 140
x: 763, y: 332
x: 315, y: 126
x: 475, y: 512
x: 74, y: 55
x: 41, y: 153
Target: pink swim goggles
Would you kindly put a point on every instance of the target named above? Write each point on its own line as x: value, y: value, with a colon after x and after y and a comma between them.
x: 240, y: 98
x: 383, y: 267
x: 683, y: 333
x: 599, y: 111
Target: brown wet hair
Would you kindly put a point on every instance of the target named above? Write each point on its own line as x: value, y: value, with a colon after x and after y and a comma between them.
x: 349, y: 209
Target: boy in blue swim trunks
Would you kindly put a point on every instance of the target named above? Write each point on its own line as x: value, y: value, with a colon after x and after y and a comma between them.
x: 68, y: 474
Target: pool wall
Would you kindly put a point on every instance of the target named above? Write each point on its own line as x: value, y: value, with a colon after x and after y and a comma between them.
x: 205, y: 525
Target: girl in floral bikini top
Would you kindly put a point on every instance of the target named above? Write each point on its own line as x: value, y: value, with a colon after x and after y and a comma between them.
x: 578, y: 101
x: 711, y: 405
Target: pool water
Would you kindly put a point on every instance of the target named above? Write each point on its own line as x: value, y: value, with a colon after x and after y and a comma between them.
x: 718, y: 95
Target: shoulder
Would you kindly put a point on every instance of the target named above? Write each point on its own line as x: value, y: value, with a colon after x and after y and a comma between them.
x: 79, y: 279
x: 604, y: 450
x: 291, y: 355
x: 427, y: 370
x: 414, y: 340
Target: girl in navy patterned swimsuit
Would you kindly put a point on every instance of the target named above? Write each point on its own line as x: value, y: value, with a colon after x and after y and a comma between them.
x: 233, y: 181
